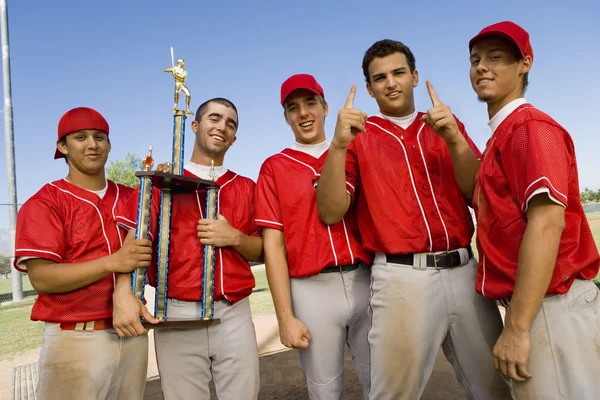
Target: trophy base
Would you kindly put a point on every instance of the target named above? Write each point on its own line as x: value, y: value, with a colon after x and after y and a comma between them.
x: 177, y: 183
x: 182, y: 323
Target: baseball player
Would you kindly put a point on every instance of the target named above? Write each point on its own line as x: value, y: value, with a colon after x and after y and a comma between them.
x: 414, y: 216
x: 537, y: 253
x: 188, y: 358
x: 316, y: 272
x: 68, y: 243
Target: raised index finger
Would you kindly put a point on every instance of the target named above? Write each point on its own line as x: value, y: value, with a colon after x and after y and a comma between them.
x: 350, y: 99
x: 435, y: 100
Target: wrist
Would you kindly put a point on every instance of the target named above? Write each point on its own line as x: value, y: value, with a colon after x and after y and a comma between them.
x: 454, y: 138
x: 337, y: 145
x: 515, y: 324
x: 110, y: 265
x: 283, y: 317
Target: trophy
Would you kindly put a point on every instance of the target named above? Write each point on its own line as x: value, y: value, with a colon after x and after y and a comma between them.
x: 170, y: 184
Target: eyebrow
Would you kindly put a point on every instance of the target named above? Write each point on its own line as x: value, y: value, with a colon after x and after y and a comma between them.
x: 401, y: 69
x: 219, y: 115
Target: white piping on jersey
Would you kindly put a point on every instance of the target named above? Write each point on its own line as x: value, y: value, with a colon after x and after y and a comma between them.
x: 431, y: 187
x: 332, y: 248
x: 328, y: 226
x: 113, y: 213
x: 268, y: 222
x: 132, y: 225
x: 412, y: 180
x: 39, y: 251
x: 199, y: 206
x: 348, y: 241
x: 349, y: 184
x: 96, y: 208
x: 220, y: 250
x: 483, y: 280
x: 300, y: 162
x: 551, y: 185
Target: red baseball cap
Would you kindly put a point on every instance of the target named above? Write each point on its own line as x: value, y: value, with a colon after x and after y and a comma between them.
x: 300, y: 81
x: 79, y: 119
x: 508, y: 30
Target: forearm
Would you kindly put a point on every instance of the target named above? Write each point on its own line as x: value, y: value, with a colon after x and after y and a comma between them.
x: 62, y: 278
x: 123, y: 283
x: 277, y: 273
x: 332, y: 199
x: 465, y: 165
x: 250, y: 247
x: 537, y: 259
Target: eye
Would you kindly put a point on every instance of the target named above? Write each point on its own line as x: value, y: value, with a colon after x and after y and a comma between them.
x: 398, y: 73
x: 379, y: 78
x: 475, y: 61
x: 231, y: 126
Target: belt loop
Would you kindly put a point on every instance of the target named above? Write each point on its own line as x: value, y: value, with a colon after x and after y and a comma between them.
x: 420, y: 261
x: 464, y: 256
x: 89, y: 327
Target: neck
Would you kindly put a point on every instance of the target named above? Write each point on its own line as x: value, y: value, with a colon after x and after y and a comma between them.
x: 399, y: 113
x: 89, y: 182
x: 495, y: 106
x: 318, y: 140
x: 205, y: 159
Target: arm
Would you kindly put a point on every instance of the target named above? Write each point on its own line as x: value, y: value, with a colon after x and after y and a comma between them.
x: 127, y: 309
x: 332, y: 198
x: 292, y: 332
x: 537, y: 258
x: 250, y: 247
x: 49, y: 277
x: 465, y: 163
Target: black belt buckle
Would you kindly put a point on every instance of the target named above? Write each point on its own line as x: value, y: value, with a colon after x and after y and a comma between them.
x: 450, y: 259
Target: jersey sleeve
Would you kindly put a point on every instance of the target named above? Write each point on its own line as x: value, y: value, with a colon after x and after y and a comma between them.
x: 472, y: 145
x: 536, y: 158
x: 267, y: 205
x: 352, y: 173
x: 254, y: 229
x: 127, y: 214
x: 40, y: 233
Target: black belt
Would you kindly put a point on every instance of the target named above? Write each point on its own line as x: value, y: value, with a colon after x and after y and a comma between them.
x: 343, y: 268
x: 448, y: 259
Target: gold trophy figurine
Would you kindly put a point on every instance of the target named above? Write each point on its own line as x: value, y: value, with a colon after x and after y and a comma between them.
x: 180, y: 75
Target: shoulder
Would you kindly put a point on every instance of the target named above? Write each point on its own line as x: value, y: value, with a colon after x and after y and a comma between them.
x: 49, y: 197
x: 124, y: 191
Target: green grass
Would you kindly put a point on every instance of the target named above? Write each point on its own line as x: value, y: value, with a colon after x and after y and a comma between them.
x: 260, y: 299
x: 593, y: 215
x: 18, y: 333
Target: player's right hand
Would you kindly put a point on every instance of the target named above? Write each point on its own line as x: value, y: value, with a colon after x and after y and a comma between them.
x: 163, y: 167
x: 294, y: 334
x: 135, y: 253
x: 127, y: 310
x: 350, y: 122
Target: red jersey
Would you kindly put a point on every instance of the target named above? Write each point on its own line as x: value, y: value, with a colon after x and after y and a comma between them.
x: 64, y: 223
x: 233, y: 278
x: 527, y: 152
x: 286, y: 201
x: 408, y: 201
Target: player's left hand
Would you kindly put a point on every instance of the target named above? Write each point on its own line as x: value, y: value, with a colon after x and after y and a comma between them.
x: 440, y: 118
x: 163, y: 167
x: 217, y: 232
x: 127, y: 310
x: 511, y: 354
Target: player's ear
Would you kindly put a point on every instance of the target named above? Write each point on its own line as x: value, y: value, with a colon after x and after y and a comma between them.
x: 368, y: 86
x: 525, y: 65
x: 61, y: 145
x: 325, y: 108
x: 195, y: 126
x: 415, y: 75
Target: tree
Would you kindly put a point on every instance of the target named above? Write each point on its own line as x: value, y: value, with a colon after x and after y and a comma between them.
x: 123, y: 171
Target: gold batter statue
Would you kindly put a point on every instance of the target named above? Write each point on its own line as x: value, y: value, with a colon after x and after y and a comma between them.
x: 180, y: 75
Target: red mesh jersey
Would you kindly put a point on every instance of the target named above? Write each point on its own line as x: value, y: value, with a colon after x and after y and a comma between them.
x: 286, y: 200
x: 528, y: 151
x: 233, y: 278
x: 67, y: 224
x: 408, y: 200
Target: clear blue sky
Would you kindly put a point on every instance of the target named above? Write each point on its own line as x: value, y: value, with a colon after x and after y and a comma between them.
x: 110, y: 55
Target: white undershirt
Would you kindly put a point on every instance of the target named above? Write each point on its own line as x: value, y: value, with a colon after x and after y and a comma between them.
x: 100, y: 193
x: 201, y: 171
x: 403, y: 122
x: 315, y: 150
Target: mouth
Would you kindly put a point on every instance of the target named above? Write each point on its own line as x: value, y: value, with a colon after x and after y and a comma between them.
x: 306, y: 124
x: 481, y: 81
x: 394, y: 94
x: 95, y: 155
x: 218, y: 138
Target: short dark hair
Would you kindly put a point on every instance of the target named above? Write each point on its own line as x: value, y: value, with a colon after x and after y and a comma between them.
x: 384, y: 48
x: 518, y: 56
x: 219, y: 100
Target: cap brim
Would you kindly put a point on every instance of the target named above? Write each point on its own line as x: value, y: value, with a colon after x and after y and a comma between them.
x: 58, y: 154
x: 495, y: 33
x: 315, y: 91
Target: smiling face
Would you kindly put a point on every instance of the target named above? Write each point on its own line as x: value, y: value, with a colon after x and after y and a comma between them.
x: 86, y: 151
x: 497, y: 72
x: 305, y: 113
x: 215, y: 130
x: 391, y: 83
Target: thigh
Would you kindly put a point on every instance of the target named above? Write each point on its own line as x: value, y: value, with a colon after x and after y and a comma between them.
x: 409, y: 322
x: 183, y: 362
x: 129, y: 381
x: 565, y: 347
x: 475, y: 325
x: 320, y: 303
x: 234, y: 353
x: 76, y: 365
